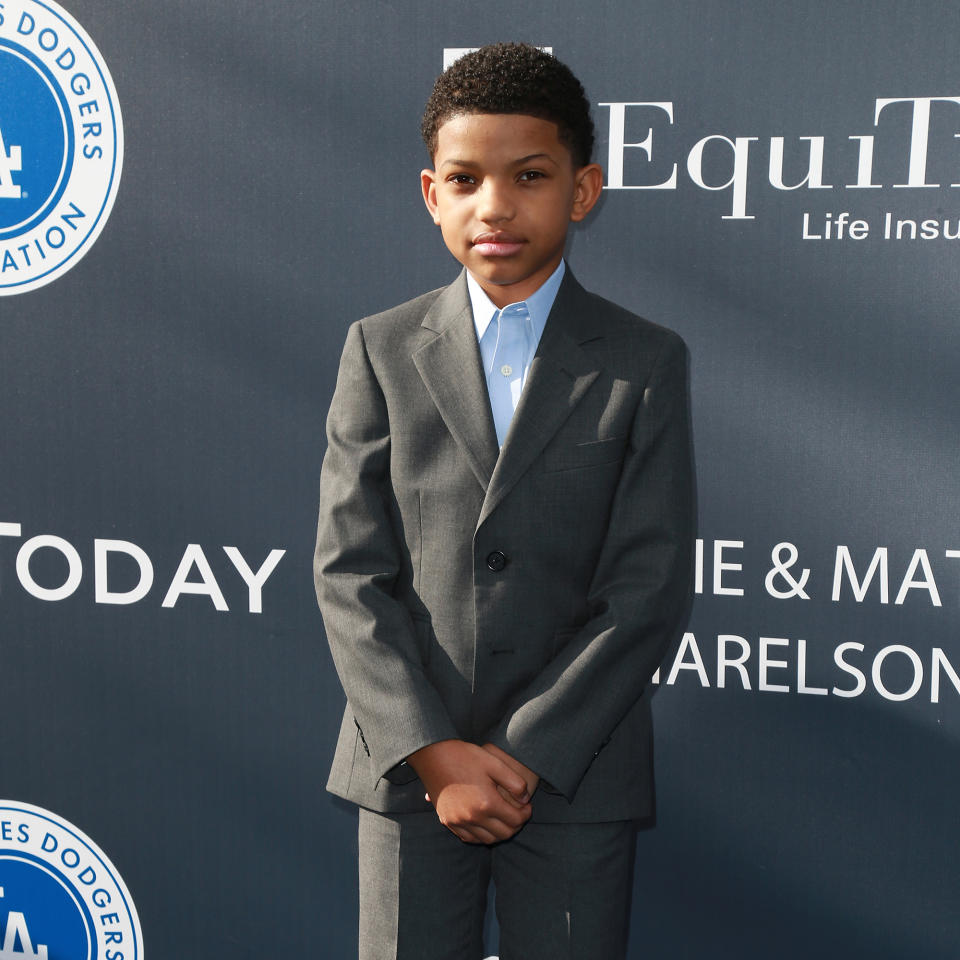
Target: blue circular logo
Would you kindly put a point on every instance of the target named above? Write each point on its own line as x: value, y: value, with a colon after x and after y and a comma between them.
x: 61, y: 144
x: 60, y: 897
x: 32, y: 110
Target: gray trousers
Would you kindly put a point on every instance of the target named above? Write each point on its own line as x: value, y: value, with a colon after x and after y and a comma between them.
x: 562, y: 890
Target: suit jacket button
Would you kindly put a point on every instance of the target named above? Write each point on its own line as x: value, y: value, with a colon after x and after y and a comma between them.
x: 496, y: 561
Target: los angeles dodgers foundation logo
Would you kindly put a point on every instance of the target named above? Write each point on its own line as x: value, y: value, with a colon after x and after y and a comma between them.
x: 60, y: 897
x: 61, y: 143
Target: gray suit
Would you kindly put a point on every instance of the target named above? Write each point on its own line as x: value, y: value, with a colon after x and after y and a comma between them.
x: 525, y: 598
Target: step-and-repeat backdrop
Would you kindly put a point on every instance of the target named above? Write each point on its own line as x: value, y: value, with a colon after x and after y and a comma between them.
x: 196, y: 199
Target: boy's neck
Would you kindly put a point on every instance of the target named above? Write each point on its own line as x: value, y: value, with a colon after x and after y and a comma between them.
x: 539, y: 303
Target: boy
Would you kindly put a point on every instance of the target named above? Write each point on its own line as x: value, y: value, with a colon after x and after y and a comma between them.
x: 503, y: 549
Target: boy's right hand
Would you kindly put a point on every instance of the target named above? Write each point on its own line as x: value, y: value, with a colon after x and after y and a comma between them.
x: 462, y: 781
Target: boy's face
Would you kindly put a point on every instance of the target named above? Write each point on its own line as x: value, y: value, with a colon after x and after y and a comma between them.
x: 503, y: 193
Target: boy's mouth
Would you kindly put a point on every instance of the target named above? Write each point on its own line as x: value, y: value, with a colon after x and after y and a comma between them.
x: 498, y: 244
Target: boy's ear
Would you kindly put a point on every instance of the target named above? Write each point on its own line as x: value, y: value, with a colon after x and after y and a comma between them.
x: 428, y: 184
x: 588, y: 182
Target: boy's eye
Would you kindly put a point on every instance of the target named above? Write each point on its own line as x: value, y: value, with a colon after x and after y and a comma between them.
x: 531, y: 175
x: 460, y: 178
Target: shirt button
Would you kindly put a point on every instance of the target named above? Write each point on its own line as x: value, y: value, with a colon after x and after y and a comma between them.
x: 496, y: 561
x: 506, y: 369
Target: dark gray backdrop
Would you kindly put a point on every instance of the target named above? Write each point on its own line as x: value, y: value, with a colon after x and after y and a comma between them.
x: 171, y: 390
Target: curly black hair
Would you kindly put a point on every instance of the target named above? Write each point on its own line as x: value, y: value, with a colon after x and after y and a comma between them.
x: 512, y: 78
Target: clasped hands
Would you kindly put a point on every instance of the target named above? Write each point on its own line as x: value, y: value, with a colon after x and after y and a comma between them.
x: 481, y: 794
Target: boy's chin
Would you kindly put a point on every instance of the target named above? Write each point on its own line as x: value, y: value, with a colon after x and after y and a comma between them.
x: 498, y: 279
x: 500, y: 271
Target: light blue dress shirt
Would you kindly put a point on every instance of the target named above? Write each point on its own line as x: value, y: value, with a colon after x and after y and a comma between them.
x: 508, y: 341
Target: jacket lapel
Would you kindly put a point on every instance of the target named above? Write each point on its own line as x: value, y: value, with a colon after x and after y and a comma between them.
x: 451, y: 370
x: 561, y: 373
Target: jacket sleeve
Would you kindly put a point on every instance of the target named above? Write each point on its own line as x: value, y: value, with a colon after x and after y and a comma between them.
x: 638, y: 593
x: 359, y: 555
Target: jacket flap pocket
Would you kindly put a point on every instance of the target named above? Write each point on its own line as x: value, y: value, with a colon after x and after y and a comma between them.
x: 593, y: 453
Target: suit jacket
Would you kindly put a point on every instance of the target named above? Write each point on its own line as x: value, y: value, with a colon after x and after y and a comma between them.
x: 524, y: 598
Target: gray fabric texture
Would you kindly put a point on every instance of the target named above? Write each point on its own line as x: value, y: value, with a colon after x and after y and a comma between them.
x: 562, y: 890
x: 524, y: 598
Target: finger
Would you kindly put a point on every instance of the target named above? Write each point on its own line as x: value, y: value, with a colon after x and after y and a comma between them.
x: 521, y: 797
x: 474, y: 834
x: 516, y: 768
x: 512, y: 782
x: 498, y: 807
x: 509, y: 797
x: 494, y: 831
x: 502, y: 773
x: 507, y: 818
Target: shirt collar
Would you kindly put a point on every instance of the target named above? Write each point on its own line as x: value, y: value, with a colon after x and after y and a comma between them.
x: 538, y: 304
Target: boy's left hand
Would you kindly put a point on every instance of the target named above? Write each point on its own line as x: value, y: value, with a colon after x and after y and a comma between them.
x: 532, y: 779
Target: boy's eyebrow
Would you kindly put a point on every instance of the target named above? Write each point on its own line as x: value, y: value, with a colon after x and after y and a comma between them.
x: 456, y: 162
x: 520, y: 161
x: 533, y: 156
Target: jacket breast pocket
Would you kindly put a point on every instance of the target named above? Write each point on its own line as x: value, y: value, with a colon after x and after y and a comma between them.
x: 593, y: 453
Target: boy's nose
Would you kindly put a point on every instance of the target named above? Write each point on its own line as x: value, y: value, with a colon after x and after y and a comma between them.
x: 494, y: 202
